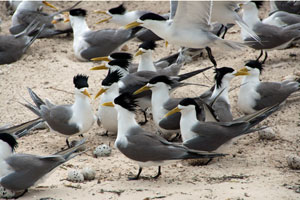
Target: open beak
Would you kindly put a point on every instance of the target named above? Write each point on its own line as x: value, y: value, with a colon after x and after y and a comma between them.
x: 105, y: 58
x: 242, y: 72
x: 132, y: 25
x: 100, y: 67
x: 101, y: 91
x: 104, y: 20
x: 85, y: 92
x: 175, y: 110
x: 142, y: 89
x: 50, y: 5
x: 139, y: 52
x: 109, y: 104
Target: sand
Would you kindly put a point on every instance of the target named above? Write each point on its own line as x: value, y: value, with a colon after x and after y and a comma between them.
x: 254, y: 168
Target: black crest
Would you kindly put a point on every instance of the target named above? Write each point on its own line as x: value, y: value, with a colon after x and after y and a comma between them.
x: 9, y: 139
x: 117, y: 10
x: 112, y: 77
x: 127, y: 101
x: 220, y: 73
x: 78, y: 12
x: 152, y: 16
x: 190, y: 101
x: 162, y: 78
x: 255, y: 64
x: 121, y: 56
x: 258, y: 4
x: 148, y: 45
x: 81, y: 81
x: 121, y: 63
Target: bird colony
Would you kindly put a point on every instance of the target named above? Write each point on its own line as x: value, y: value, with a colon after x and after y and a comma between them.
x: 146, y: 100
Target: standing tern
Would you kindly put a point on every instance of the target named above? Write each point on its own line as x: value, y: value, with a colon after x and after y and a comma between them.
x: 272, y: 37
x: 89, y: 44
x: 209, y: 136
x: 68, y: 120
x: 21, y: 171
x: 255, y: 95
x: 187, y: 30
x: 145, y: 52
x: 13, y: 47
x: 145, y: 148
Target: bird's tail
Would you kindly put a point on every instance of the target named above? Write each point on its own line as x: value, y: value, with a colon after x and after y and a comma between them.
x: 34, y: 34
x: 36, y: 99
x: 191, y: 154
x: 22, y: 129
x: 228, y: 44
x: 68, y: 154
x: 193, y: 73
x: 134, y: 31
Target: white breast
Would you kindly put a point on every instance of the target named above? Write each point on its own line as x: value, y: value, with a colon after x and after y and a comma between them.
x: 247, y: 97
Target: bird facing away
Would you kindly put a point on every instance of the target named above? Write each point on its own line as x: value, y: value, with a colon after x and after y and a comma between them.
x: 89, y: 44
x: 210, y: 136
x: 21, y: 171
x: 68, y: 120
x: 255, y: 95
x: 146, y: 148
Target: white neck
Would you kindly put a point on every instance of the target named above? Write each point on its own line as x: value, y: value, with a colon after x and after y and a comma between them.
x: 160, y: 95
x: 5, y: 150
x: 251, y: 79
x: 187, y: 120
x: 110, y: 94
x: 79, y: 26
x: 146, y: 62
x: 124, y: 19
x: 126, y: 120
x: 224, y: 86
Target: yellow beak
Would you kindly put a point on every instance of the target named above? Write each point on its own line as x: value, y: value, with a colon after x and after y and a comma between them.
x: 85, y: 92
x: 166, y: 43
x: 101, y: 12
x: 132, y: 25
x: 175, y: 110
x: 110, y: 104
x: 142, y: 89
x: 54, y: 21
x: 105, y: 58
x: 139, y: 52
x: 50, y: 5
x: 242, y: 72
x: 103, y: 20
x: 100, y: 67
x: 101, y: 91
x: 67, y: 20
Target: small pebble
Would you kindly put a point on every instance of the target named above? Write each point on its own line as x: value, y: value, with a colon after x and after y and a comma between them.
x: 102, y: 150
x: 75, y: 176
x: 6, y: 194
x: 267, y: 134
x: 88, y: 173
x: 293, y: 161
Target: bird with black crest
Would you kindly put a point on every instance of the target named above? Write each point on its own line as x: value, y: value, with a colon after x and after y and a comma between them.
x: 68, y: 120
x: 143, y: 147
x: 255, y: 95
x: 89, y: 44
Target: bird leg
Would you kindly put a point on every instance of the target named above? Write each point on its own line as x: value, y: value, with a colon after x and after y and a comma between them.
x: 266, y: 56
x: 158, y: 173
x: 80, y: 135
x: 208, y: 161
x: 211, y: 57
x: 137, y: 176
x: 105, y: 134
x: 145, y: 118
x: 225, y: 31
x: 68, y: 144
x: 220, y: 30
x: 261, y: 53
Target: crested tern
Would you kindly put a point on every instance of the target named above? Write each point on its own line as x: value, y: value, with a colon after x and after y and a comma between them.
x: 255, y: 95
x: 145, y: 53
x: 21, y: 171
x: 146, y: 148
x: 89, y: 44
x: 210, y: 136
x: 13, y: 47
x: 68, y: 120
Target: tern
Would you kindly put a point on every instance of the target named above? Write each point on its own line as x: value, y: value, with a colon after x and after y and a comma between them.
x: 68, y: 120
x: 145, y: 52
x: 21, y: 171
x: 255, y: 95
x: 89, y: 44
x: 272, y: 37
x: 210, y: 136
x: 146, y: 148
x: 13, y: 47
x: 190, y: 27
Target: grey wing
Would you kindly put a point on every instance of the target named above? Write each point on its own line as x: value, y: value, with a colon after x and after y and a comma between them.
x: 288, y: 6
x: 103, y: 42
x: 212, y: 135
x: 171, y: 122
x: 143, y: 146
x: 11, y: 49
x: 172, y: 103
x: 28, y: 169
x: 58, y: 119
x: 272, y: 93
x: 222, y: 110
x: 287, y: 18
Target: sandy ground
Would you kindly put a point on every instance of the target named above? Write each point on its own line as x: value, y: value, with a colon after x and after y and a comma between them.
x: 254, y: 168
